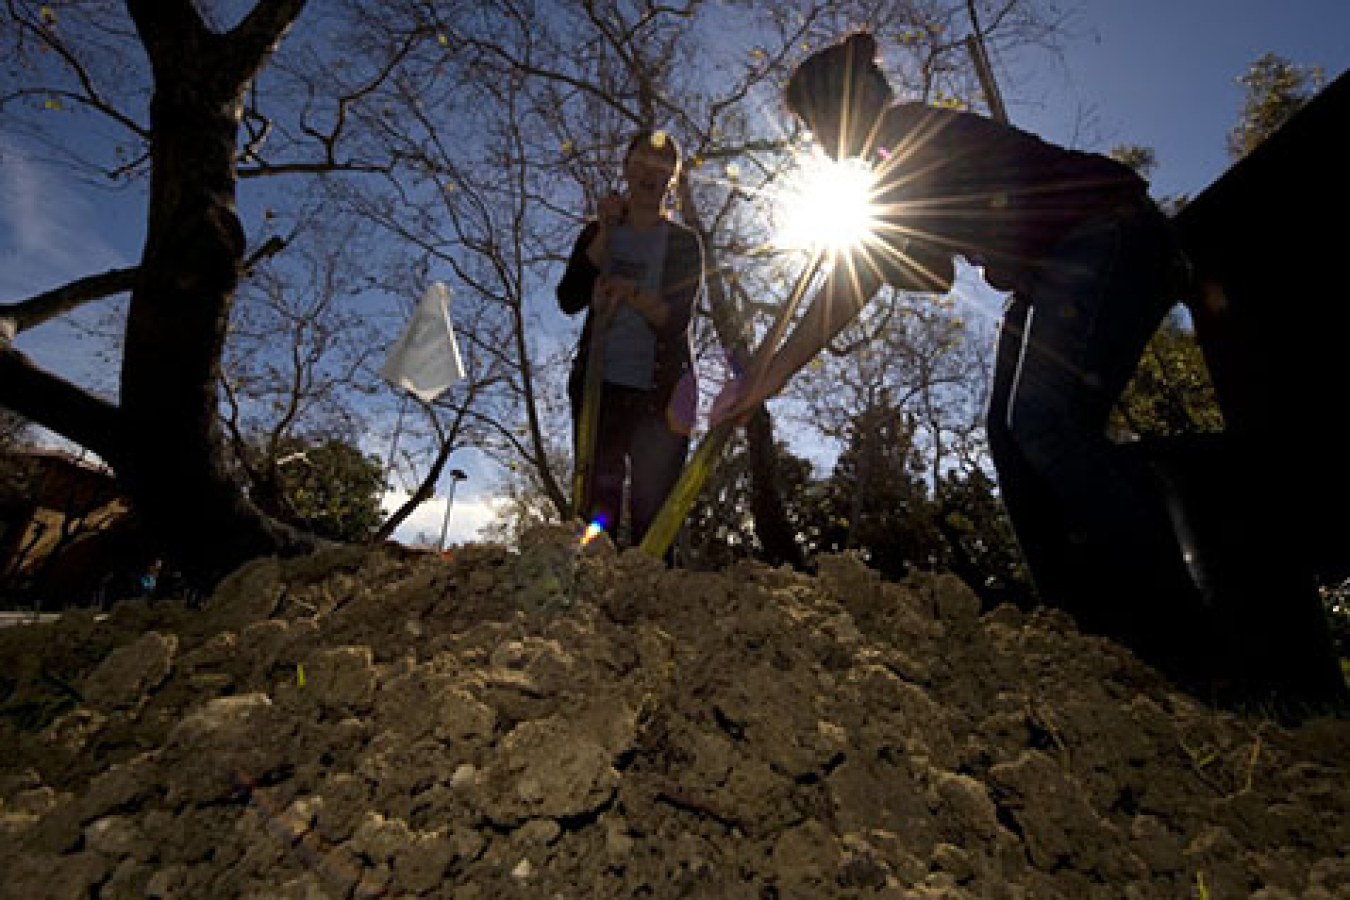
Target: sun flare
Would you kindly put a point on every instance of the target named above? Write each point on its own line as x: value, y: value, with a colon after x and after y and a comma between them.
x: 827, y: 206
x: 593, y: 530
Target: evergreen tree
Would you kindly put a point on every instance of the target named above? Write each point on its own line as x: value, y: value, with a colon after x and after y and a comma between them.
x: 327, y: 487
x: 876, y: 500
x: 979, y: 544
x: 720, y: 528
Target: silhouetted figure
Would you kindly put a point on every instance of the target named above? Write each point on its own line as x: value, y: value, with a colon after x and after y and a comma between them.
x: 637, y: 273
x: 1092, y: 266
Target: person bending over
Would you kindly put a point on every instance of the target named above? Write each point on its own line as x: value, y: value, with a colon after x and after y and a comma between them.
x: 1089, y: 261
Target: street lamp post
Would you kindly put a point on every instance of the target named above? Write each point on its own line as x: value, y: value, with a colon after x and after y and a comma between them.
x: 456, y: 476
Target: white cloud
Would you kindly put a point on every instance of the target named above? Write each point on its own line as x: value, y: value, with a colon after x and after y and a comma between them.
x: 53, y: 230
x: 468, y: 515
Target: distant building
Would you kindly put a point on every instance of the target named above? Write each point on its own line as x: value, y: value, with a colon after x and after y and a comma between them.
x: 63, y: 525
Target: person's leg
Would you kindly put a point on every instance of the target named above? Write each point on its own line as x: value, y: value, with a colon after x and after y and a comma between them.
x: 1031, y: 503
x: 658, y: 456
x: 1096, y: 305
x: 609, y: 470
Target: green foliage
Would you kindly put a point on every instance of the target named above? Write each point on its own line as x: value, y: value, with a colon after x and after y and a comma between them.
x: 1171, y: 392
x: 979, y: 541
x: 1137, y: 156
x: 329, y: 487
x: 1276, y: 89
x: 876, y: 499
x: 720, y: 527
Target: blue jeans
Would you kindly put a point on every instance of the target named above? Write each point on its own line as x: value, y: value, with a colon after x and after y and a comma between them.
x: 1093, y: 529
x: 633, y: 444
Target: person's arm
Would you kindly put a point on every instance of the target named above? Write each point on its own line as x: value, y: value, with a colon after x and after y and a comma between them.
x: 578, y: 281
x: 598, y: 248
x: 905, y: 264
x: 910, y: 264
x: 610, y: 213
x: 651, y: 307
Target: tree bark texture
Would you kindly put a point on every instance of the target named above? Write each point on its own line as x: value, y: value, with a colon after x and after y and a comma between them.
x: 173, y: 465
x: 776, y: 534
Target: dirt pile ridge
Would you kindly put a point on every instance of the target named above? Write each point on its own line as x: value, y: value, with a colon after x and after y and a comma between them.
x: 533, y: 724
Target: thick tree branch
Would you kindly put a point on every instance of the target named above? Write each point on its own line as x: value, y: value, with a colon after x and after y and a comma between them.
x: 16, y: 318
x: 164, y: 27
x: 173, y: 33
x: 258, y: 34
x: 266, y: 169
x: 61, y: 406
x: 270, y: 247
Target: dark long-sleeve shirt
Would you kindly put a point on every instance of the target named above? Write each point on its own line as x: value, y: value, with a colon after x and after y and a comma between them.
x: 956, y: 182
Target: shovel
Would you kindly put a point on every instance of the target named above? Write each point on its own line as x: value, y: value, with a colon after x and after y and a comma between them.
x: 661, y: 533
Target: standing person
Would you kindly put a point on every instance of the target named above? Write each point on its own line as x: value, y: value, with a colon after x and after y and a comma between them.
x: 636, y: 272
x: 1090, y: 263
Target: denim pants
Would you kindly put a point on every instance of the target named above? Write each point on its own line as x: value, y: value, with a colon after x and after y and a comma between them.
x: 1093, y: 529
x: 633, y: 444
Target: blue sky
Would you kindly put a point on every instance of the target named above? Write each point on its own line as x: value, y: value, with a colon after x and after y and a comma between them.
x: 1163, y: 73
x: 1156, y: 72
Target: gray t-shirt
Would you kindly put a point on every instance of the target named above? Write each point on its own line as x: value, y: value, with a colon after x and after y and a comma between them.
x: 630, y: 343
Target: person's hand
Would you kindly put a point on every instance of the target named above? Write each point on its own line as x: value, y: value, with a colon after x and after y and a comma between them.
x: 623, y: 286
x: 650, y: 306
x: 611, y: 210
x: 603, y: 298
x: 610, y: 291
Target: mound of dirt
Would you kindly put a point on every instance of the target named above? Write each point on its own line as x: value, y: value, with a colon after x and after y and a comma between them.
x: 535, y: 723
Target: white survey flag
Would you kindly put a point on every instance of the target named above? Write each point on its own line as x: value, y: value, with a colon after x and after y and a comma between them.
x: 425, y: 360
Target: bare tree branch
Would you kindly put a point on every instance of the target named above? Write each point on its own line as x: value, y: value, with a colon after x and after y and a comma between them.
x: 256, y: 36
x: 16, y: 318
x: 61, y: 406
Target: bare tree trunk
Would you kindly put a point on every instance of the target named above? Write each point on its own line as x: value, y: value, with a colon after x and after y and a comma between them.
x: 775, y: 532
x: 772, y: 527
x: 173, y: 465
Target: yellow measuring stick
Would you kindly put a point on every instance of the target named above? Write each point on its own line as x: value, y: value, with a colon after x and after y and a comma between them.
x: 588, y: 426
x: 661, y: 533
